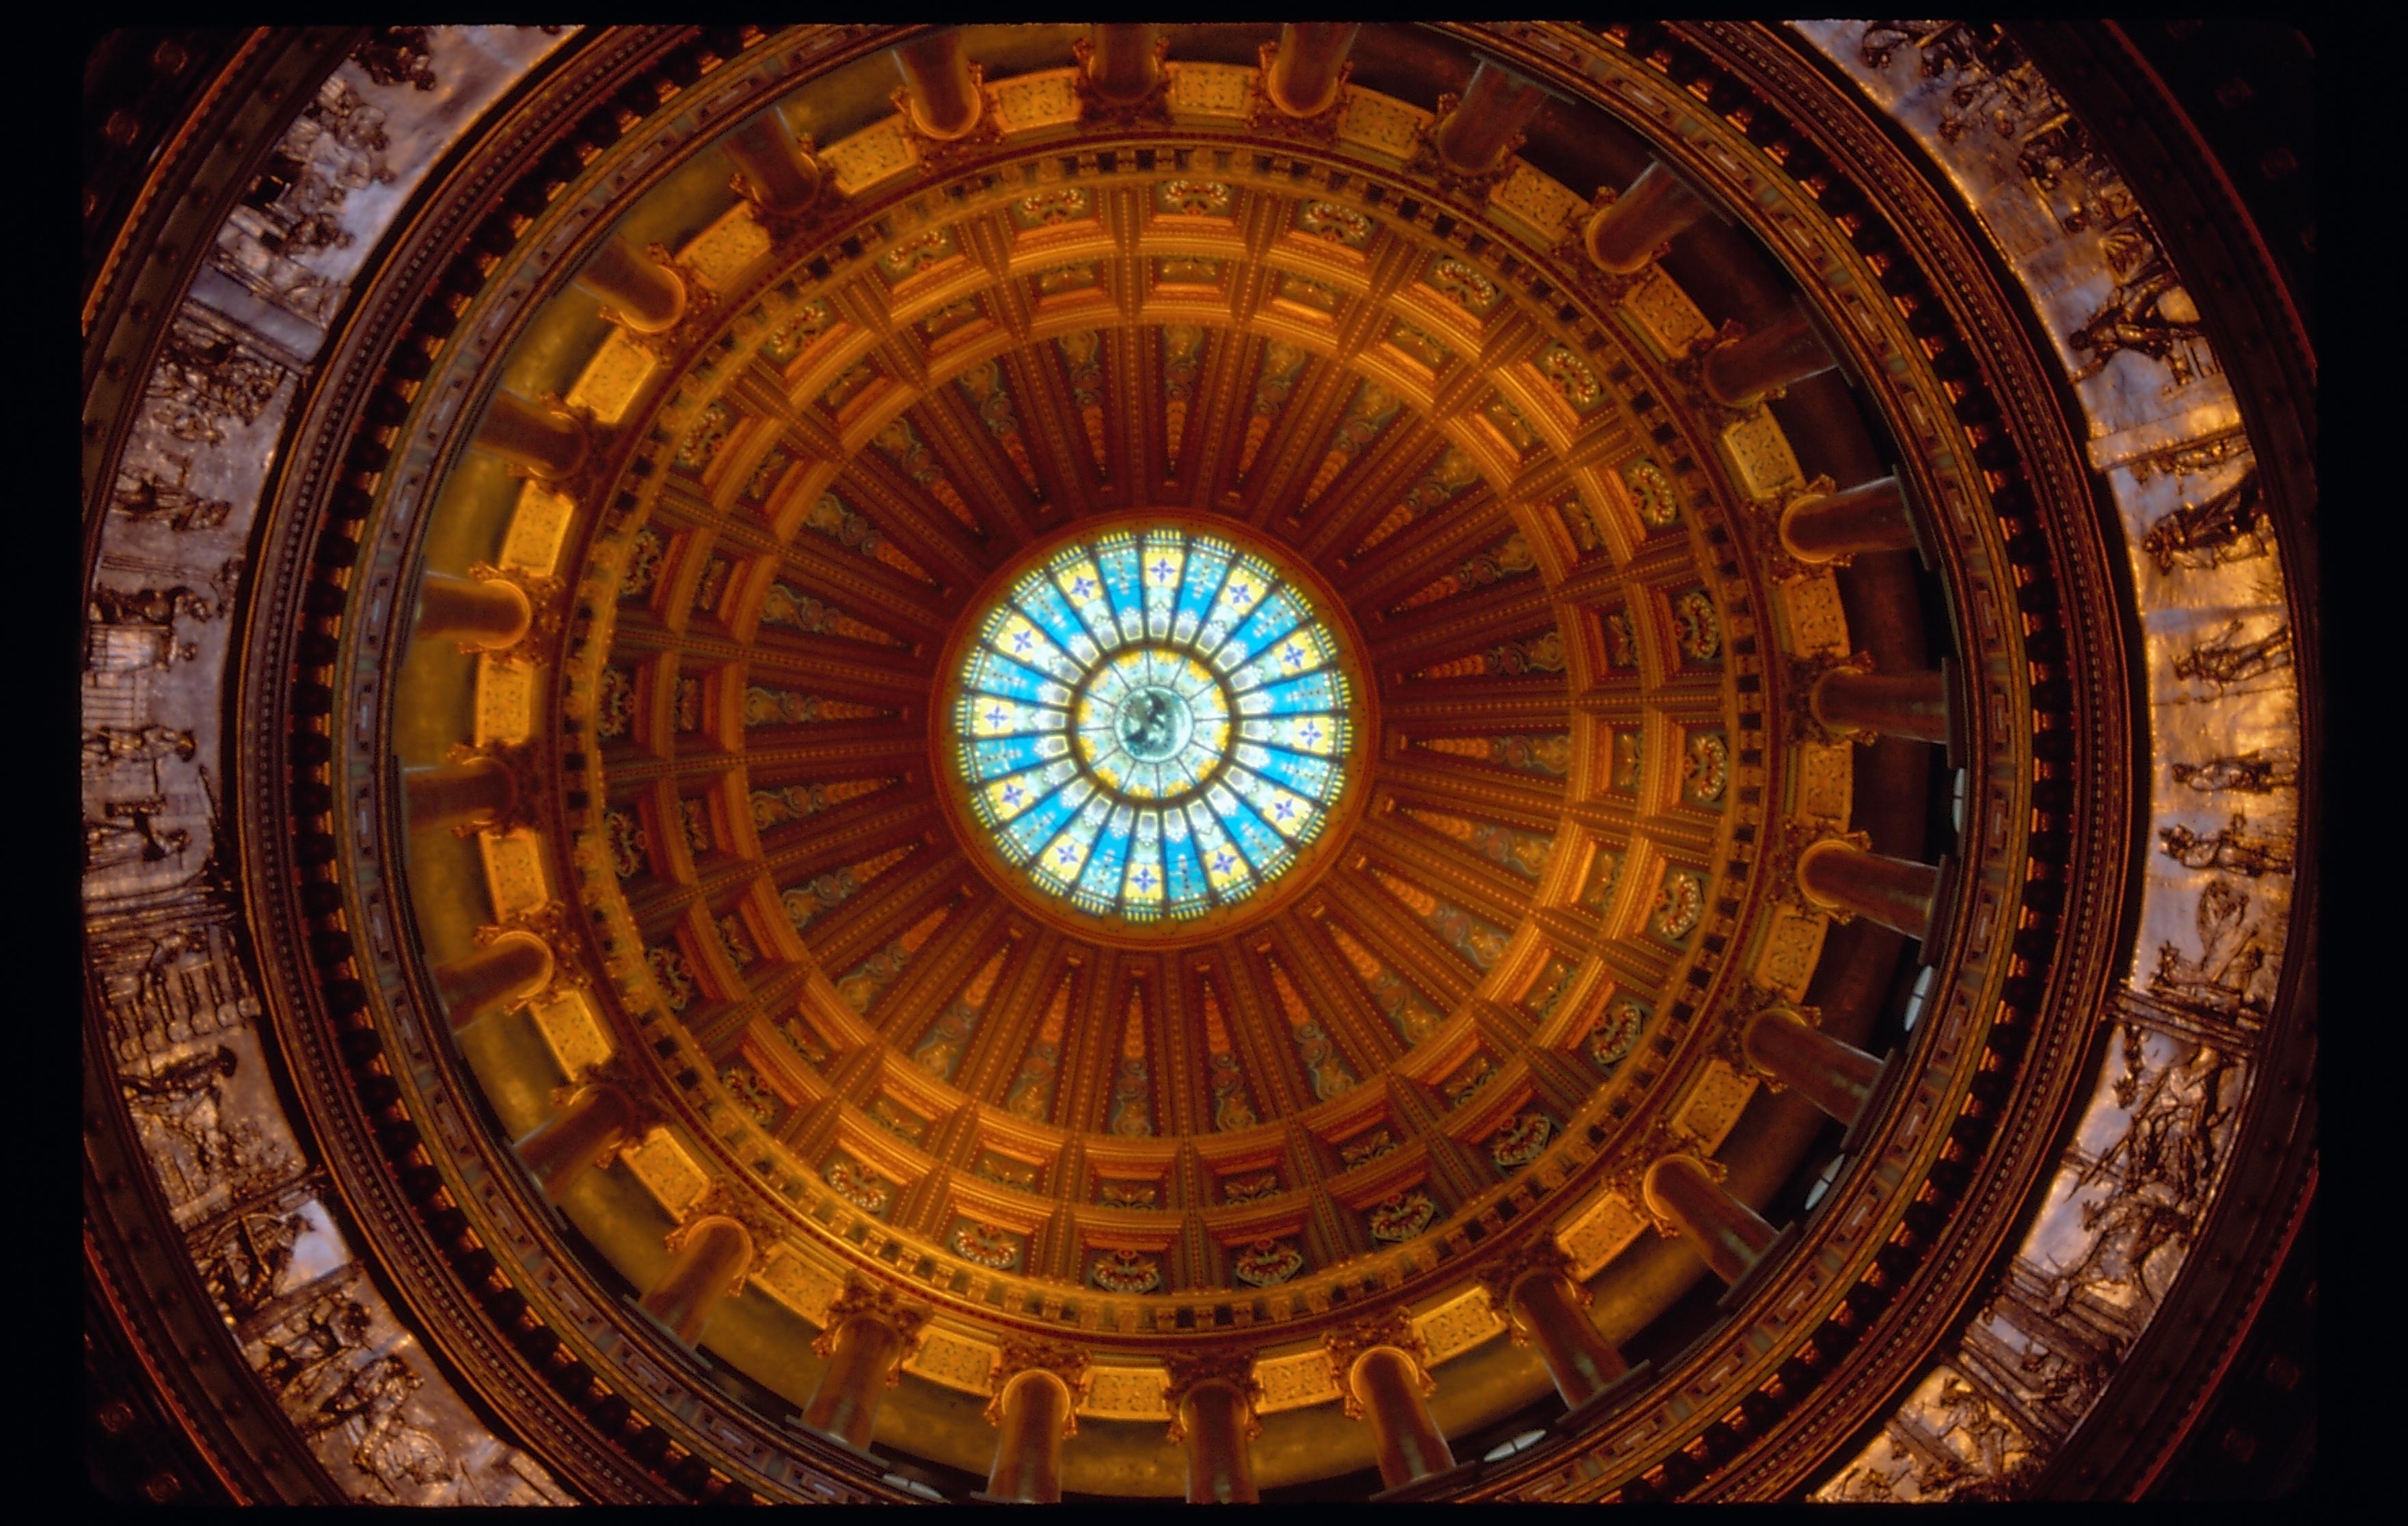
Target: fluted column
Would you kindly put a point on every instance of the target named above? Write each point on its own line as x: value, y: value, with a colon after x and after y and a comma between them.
x: 638, y: 293
x: 867, y: 1332
x: 475, y: 793
x: 1308, y: 67
x: 1897, y: 893
x: 1123, y: 62
x: 1212, y: 1396
x: 1032, y: 1414
x: 1623, y: 237
x: 1553, y: 1310
x: 714, y: 1253
x: 538, y: 436
x: 1869, y: 516
x: 597, y: 1119
x: 1911, y: 705
x: 940, y: 84
x: 1726, y: 1232
x: 1390, y: 1387
x: 508, y: 970
x: 1738, y: 371
x: 1475, y: 137
x: 1836, y: 1077
x: 776, y: 175
x: 490, y: 612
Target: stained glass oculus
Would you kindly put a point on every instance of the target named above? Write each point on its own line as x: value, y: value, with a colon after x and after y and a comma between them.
x: 1152, y: 724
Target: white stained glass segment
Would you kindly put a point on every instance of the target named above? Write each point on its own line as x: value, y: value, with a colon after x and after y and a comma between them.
x: 1152, y: 724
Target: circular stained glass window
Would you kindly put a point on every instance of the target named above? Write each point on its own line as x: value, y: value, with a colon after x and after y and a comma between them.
x: 1152, y: 724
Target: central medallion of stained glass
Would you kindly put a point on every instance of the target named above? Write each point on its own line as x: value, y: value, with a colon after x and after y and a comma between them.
x: 1152, y: 724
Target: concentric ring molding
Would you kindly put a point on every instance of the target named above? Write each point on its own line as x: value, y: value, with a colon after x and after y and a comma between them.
x: 1908, y: 1266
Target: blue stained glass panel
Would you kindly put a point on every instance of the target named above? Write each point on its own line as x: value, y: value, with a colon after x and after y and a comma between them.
x: 1152, y: 724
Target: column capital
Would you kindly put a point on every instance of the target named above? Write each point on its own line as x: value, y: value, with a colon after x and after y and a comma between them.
x: 862, y: 1300
x: 1536, y: 1256
x: 762, y: 1229
x: 1267, y: 115
x: 1652, y: 1203
x: 1151, y: 103
x: 1790, y: 844
x: 1065, y: 1364
x: 1192, y: 1370
x: 522, y: 765
x: 1348, y: 1343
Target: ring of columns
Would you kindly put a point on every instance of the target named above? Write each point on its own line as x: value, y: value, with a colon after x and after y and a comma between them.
x: 649, y: 879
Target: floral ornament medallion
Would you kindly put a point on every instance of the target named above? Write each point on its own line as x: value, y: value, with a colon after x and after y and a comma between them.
x: 1149, y: 726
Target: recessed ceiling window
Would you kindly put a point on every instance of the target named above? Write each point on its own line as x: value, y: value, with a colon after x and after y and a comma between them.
x: 1153, y: 724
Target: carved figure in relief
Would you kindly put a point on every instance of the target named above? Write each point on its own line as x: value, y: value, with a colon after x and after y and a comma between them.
x: 2224, y: 660
x: 154, y: 500
x: 297, y: 1365
x: 2149, y: 314
x: 2157, y: 1172
x: 205, y: 380
x: 245, y: 1261
x: 394, y: 56
x: 148, y: 606
x: 1968, y: 1415
x: 2260, y: 771
x: 107, y: 746
x: 2230, y: 848
x: 2230, y: 527
x: 2230, y: 958
x: 124, y: 835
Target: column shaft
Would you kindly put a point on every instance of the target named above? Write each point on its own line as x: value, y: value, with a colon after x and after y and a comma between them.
x: 845, y: 1404
x: 944, y: 96
x: 542, y: 440
x: 1387, y: 1382
x: 1310, y: 67
x: 646, y: 295
x: 1623, y: 237
x: 1836, y: 1077
x: 490, y: 612
x: 475, y: 793
x: 1869, y: 516
x: 777, y: 175
x: 597, y: 1118
x: 1911, y: 705
x: 1029, y: 1449
x: 1897, y: 893
x: 1218, y: 1469
x: 1579, y: 1360
x: 1124, y: 66
x: 1787, y: 350
x: 716, y: 1254
x: 510, y: 969
x: 1476, y: 135
x: 1726, y: 1232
